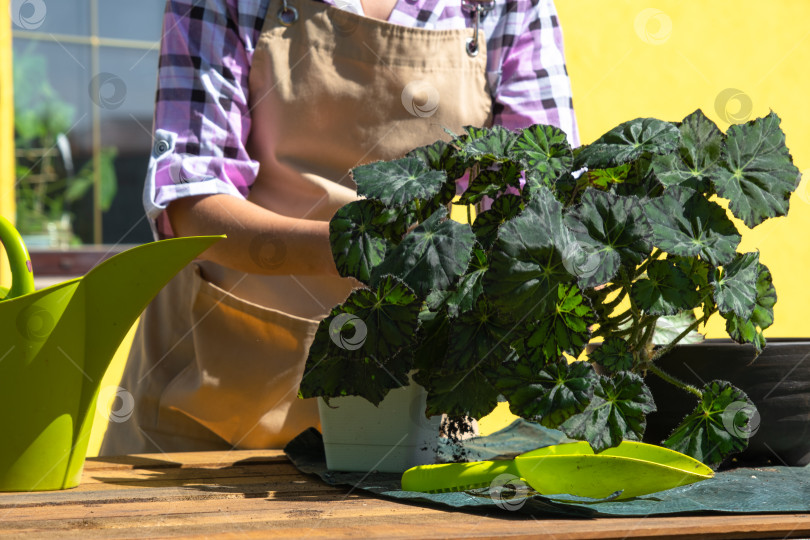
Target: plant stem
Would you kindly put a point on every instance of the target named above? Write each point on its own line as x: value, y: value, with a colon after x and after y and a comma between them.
x: 469, y: 215
x: 672, y: 380
x: 646, y: 337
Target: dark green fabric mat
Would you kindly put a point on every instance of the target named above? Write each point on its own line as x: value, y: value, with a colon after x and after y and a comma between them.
x: 743, y: 490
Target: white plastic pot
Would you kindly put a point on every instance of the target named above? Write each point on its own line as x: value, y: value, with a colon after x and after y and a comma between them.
x: 393, y: 437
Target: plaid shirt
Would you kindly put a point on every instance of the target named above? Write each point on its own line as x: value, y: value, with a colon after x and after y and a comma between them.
x: 202, y: 117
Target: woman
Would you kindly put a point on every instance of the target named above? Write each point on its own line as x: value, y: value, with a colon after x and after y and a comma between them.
x: 263, y: 107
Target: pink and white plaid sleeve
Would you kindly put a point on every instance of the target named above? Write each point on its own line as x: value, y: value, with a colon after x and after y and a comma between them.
x: 202, y: 116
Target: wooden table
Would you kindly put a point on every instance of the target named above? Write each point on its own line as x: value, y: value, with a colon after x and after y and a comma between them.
x: 260, y: 494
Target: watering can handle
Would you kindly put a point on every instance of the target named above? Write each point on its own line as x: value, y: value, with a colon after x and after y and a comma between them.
x: 22, y: 276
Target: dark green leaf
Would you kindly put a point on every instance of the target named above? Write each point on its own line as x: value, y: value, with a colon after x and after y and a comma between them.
x: 564, y: 329
x: 479, y: 337
x: 458, y: 393
x: 335, y: 375
x: 491, y: 182
x: 389, y: 316
x: 434, y: 339
x: 626, y: 142
x: 719, y: 427
x: 399, y: 181
x: 543, y: 150
x: 526, y: 264
x: 358, y: 243
x: 750, y: 330
x: 617, y: 411
x: 486, y: 145
x: 355, y: 350
x: 666, y: 291
x: 613, y: 355
x: 441, y: 156
x: 640, y: 181
x: 613, y: 232
x: 432, y: 256
x: 470, y: 286
x: 696, y: 162
x: 685, y: 223
x: 757, y: 172
x: 735, y: 287
x: 546, y: 393
x: 487, y: 223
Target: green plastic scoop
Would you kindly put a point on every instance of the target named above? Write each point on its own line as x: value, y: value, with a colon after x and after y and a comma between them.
x: 56, y: 345
x: 634, y: 468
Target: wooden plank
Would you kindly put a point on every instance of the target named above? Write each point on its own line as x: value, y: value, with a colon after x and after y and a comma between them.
x: 185, y: 459
x: 260, y: 494
x: 348, y: 518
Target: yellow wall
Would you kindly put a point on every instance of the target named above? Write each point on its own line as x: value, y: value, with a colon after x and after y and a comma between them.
x: 665, y: 59
x: 6, y: 131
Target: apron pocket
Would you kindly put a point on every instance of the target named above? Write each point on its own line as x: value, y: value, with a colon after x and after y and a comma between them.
x: 249, y: 360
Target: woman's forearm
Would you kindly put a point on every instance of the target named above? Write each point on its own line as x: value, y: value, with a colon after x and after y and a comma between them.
x: 259, y: 241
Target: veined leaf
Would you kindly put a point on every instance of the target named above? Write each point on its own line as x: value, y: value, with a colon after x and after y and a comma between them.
x: 718, y: 427
x: 698, y: 157
x: 358, y: 243
x: 398, y: 182
x: 627, y: 142
x: 613, y: 355
x: 749, y: 330
x: 441, y: 156
x: 685, y: 223
x: 757, y: 172
x: 335, y: 375
x: 668, y: 328
x: 486, y: 145
x: 389, y: 316
x: 546, y: 393
x: 697, y: 270
x: 614, y: 228
x: 735, y: 287
x: 565, y: 329
x: 434, y: 332
x: 491, y: 182
x: 432, y: 256
x: 487, y: 223
x: 470, y: 287
x: 641, y: 182
x: 666, y: 291
x: 479, y: 337
x: 617, y: 411
x: 604, y: 178
x: 458, y: 393
x: 526, y: 264
x: 543, y: 150
x: 355, y: 350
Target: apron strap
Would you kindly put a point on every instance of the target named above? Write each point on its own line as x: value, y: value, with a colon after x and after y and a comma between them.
x: 477, y: 7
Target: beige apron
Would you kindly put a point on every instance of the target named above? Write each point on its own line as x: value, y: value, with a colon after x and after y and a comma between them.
x: 219, y: 354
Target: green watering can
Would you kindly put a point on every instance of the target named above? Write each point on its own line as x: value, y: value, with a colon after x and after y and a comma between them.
x: 634, y: 468
x: 56, y: 345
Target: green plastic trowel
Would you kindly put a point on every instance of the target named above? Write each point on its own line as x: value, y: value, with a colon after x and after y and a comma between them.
x: 56, y: 345
x: 633, y: 468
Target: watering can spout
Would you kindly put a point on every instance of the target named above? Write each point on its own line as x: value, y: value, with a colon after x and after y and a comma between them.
x: 56, y: 346
x: 118, y: 290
